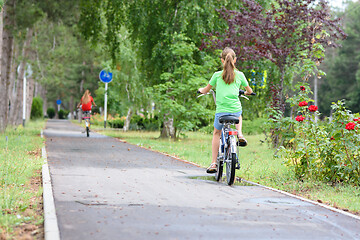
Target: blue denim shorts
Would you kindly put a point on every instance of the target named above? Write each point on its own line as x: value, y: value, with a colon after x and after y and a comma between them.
x: 218, y: 125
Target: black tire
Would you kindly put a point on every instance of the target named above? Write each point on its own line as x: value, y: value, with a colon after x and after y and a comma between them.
x: 87, y: 131
x: 230, y: 168
x: 220, y: 167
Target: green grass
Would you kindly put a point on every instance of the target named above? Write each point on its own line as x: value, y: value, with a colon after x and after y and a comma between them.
x: 20, y: 161
x: 257, y: 165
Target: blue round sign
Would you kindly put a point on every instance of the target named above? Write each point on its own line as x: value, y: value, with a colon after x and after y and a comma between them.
x: 58, y: 102
x: 105, y: 76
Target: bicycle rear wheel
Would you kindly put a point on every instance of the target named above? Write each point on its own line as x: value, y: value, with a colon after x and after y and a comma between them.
x: 219, y: 164
x: 87, y: 131
x: 230, y: 168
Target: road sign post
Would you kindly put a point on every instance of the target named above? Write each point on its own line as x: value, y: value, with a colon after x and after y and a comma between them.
x: 58, y: 102
x: 105, y: 77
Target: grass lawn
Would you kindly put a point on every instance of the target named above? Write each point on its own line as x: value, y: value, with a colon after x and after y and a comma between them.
x: 257, y: 165
x: 20, y: 182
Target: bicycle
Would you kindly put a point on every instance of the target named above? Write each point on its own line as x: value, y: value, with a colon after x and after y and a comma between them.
x: 228, y: 148
x: 86, y: 118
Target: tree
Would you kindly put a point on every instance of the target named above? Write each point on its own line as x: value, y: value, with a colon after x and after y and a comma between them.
x: 152, y: 25
x: 289, y: 34
x: 6, y: 52
x: 342, y: 65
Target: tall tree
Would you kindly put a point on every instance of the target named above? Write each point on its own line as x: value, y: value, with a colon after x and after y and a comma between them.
x: 288, y: 34
x: 343, y: 75
x: 6, y: 52
x: 153, y: 25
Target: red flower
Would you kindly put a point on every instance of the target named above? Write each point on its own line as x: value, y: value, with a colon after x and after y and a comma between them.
x: 302, y: 88
x: 313, y: 108
x: 350, y: 126
x: 300, y: 118
x: 332, y: 138
x: 355, y: 119
x: 303, y: 104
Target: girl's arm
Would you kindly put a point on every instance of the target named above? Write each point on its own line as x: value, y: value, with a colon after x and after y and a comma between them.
x: 206, y: 89
x: 248, y: 90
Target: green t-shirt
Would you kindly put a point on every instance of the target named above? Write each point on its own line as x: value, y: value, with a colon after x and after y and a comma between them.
x: 227, y: 95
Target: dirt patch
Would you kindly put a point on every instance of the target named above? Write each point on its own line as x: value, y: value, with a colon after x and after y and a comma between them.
x: 33, y: 229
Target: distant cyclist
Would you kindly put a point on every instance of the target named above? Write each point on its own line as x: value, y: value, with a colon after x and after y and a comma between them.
x: 86, y: 101
x: 227, y: 83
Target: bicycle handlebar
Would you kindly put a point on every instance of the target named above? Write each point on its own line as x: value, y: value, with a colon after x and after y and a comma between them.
x: 242, y: 92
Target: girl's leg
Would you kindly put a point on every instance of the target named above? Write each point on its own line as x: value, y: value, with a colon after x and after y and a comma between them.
x: 241, y: 140
x: 215, y: 144
x: 239, y: 127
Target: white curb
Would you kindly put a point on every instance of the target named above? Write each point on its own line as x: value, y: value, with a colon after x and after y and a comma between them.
x: 51, y: 228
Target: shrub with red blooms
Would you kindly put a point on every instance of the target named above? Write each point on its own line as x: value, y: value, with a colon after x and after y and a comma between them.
x: 300, y: 118
x: 302, y: 88
x: 303, y: 104
x: 350, y: 126
x: 313, y: 108
x: 332, y: 138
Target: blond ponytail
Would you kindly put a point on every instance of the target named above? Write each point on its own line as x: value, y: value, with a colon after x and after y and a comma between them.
x: 228, y: 75
x: 85, y: 97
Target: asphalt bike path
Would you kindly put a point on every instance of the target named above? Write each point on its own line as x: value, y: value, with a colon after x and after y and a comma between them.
x: 107, y: 189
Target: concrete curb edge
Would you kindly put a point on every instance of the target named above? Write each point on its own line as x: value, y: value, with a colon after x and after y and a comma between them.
x: 51, y: 228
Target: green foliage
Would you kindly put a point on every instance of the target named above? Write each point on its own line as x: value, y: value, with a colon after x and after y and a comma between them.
x: 175, y: 94
x: 342, y: 66
x: 50, y: 112
x: 20, y: 158
x: 116, y: 123
x: 63, y: 114
x: 36, y: 108
x: 327, y: 152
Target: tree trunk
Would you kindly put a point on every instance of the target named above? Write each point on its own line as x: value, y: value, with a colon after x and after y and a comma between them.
x: 71, y: 108
x: 127, y: 120
x: 17, y: 105
x: 81, y: 90
x: 7, y: 41
x: 14, y: 83
x: 29, y: 96
x: 168, y: 130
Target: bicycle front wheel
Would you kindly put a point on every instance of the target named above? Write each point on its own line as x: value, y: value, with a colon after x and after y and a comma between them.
x: 87, y: 131
x: 230, y: 168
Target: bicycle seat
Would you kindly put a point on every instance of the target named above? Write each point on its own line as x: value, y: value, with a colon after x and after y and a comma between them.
x: 229, y: 119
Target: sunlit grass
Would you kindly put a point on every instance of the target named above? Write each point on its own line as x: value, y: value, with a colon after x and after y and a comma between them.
x: 20, y: 160
x: 257, y: 165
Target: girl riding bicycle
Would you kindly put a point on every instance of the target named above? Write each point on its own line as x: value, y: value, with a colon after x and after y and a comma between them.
x: 227, y: 83
x: 86, y: 101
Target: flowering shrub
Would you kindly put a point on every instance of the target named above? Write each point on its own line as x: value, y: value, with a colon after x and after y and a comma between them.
x: 350, y: 126
x: 326, y: 151
x: 300, y: 118
x: 303, y: 104
x: 313, y: 108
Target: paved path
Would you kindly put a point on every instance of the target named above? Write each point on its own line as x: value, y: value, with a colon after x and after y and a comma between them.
x: 107, y: 189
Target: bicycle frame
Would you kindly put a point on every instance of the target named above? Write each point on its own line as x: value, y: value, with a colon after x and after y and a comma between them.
x: 87, y: 122
x: 228, y: 149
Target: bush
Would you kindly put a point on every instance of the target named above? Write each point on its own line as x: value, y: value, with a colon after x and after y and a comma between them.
x: 36, y: 108
x: 116, y: 123
x: 63, y: 114
x: 326, y: 152
x: 50, y: 112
